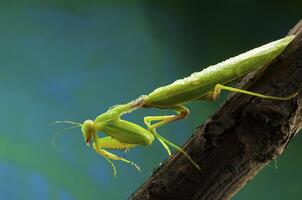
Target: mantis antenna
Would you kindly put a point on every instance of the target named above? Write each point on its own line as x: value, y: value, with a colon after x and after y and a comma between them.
x: 54, y: 138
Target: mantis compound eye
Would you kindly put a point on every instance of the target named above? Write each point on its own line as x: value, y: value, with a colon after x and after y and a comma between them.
x: 88, y: 130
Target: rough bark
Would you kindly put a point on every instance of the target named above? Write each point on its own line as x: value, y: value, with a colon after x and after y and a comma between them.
x: 239, y: 139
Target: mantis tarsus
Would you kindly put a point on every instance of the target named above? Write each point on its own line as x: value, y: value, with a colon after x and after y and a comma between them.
x: 203, y: 85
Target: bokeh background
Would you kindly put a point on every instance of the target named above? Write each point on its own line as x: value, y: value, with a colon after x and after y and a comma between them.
x: 72, y: 60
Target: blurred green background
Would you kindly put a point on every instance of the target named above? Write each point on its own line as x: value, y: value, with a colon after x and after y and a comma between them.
x: 72, y: 60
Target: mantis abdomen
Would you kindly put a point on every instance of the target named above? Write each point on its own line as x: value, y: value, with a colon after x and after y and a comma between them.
x: 199, y: 83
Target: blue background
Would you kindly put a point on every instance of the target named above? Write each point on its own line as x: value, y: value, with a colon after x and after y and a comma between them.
x: 72, y: 60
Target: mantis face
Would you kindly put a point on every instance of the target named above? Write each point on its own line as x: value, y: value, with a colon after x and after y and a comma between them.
x: 88, y: 131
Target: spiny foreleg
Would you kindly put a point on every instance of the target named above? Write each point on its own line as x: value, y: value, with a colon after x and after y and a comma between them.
x: 111, y: 143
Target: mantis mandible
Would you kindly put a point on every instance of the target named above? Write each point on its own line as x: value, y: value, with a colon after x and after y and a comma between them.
x: 204, y: 85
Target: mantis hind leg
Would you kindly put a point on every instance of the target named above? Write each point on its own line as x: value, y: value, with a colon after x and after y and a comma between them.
x: 111, y: 143
x: 217, y: 90
x: 181, y: 112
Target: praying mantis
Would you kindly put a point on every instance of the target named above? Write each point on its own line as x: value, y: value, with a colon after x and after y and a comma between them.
x: 204, y: 85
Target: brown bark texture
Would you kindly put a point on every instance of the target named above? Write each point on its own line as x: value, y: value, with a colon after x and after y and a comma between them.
x: 239, y: 139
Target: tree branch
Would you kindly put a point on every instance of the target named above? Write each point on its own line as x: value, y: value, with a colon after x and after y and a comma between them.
x: 239, y: 139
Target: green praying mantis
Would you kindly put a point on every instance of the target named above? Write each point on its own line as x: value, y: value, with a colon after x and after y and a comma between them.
x: 204, y: 85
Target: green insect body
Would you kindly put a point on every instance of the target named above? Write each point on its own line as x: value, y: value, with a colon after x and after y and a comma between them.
x: 203, y: 85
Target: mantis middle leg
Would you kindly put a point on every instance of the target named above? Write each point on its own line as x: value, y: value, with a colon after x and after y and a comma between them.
x: 181, y: 112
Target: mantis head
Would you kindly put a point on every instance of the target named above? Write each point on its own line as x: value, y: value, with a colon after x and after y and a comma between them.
x: 88, y: 131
